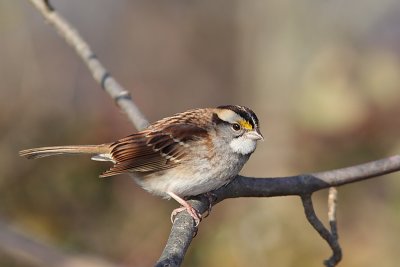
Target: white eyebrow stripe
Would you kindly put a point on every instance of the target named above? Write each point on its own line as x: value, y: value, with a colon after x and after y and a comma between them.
x: 229, y: 116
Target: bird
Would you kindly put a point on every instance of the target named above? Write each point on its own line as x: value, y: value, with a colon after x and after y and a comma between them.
x: 187, y: 154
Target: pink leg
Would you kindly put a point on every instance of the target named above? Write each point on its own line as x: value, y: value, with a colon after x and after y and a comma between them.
x: 186, y: 206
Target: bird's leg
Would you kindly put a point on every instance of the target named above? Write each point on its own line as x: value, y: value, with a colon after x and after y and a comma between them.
x: 186, y: 206
x: 211, y: 198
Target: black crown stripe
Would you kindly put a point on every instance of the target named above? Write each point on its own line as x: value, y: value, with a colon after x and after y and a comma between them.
x: 244, y: 112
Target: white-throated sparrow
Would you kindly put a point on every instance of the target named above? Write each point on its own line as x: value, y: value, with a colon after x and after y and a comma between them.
x: 187, y: 154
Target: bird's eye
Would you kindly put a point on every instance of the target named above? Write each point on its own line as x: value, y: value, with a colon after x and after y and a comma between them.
x: 236, y: 127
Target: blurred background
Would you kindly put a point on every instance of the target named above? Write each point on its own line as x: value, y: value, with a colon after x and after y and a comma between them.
x: 323, y: 77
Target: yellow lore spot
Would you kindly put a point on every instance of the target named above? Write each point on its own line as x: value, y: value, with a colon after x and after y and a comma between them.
x: 245, y: 125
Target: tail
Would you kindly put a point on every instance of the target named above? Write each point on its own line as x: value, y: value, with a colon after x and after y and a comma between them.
x: 41, y: 152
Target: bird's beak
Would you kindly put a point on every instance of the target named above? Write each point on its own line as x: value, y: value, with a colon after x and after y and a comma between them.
x: 255, y: 135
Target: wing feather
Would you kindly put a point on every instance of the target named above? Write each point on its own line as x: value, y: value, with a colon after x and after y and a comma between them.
x: 153, y: 150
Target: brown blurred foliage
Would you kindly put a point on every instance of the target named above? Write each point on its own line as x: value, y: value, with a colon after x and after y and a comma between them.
x: 323, y: 76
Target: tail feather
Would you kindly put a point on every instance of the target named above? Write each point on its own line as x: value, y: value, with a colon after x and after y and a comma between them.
x: 41, y: 152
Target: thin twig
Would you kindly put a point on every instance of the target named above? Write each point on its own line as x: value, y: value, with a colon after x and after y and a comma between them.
x: 323, y: 231
x: 332, y: 205
x: 120, y: 95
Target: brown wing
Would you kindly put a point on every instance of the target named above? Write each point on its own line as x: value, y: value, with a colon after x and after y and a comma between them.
x: 151, y: 151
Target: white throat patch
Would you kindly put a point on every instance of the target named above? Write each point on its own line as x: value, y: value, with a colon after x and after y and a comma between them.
x: 243, y: 145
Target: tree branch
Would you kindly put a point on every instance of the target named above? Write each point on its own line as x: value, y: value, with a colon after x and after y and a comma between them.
x: 25, y: 247
x: 121, y: 96
x: 300, y: 185
x: 183, y: 231
x: 329, y: 237
x: 337, y: 251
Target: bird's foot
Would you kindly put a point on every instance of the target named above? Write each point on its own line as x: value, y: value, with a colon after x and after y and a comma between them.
x: 185, y: 206
x: 192, y: 212
x: 211, y: 198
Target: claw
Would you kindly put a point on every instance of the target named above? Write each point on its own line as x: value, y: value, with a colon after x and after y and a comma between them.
x: 192, y: 212
x: 211, y: 198
x: 186, y: 206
